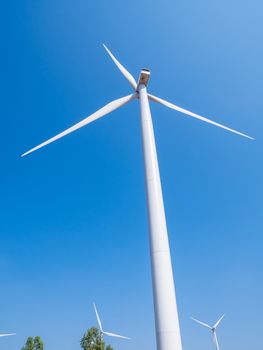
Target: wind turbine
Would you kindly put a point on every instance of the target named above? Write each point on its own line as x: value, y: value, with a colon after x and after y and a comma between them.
x: 166, y: 317
x: 213, y: 329
x: 102, y: 331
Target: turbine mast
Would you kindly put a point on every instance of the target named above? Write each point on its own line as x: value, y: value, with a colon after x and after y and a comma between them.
x: 215, y: 340
x: 166, y: 317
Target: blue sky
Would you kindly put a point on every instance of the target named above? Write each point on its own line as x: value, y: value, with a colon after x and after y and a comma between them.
x: 73, y: 222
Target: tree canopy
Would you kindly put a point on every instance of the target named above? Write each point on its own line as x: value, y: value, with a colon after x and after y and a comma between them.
x: 93, y: 340
x: 38, y: 343
x: 33, y: 344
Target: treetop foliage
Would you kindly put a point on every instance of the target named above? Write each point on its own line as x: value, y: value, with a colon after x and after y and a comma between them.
x: 93, y: 340
x: 33, y: 344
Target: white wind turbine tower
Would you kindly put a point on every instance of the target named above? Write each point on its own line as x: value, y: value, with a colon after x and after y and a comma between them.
x: 166, y: 317
x: 212, y: 328
x: 102, y: 331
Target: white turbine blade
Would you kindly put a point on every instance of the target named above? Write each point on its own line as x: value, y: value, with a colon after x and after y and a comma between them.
x: 98, y: 114
x: 115, y: 335
x: 123, y: 70
x: 217, y: 323
x: 202, y: 323
x: 7, y: 334
x: 191, y: 114
x: 98, y: 319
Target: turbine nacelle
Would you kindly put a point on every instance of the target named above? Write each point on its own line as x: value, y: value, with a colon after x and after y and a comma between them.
x: 143, y: 78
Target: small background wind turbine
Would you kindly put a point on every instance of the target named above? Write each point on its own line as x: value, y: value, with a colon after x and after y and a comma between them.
x: 212, y: 328
x: 101, y: 329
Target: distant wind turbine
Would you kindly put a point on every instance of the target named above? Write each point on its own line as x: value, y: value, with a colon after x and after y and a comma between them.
x: 212, y: 328
x: 102, y: 331
x: 166, y: 317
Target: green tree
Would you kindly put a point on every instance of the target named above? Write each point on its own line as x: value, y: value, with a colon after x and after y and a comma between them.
x: 29, y: 344
x: 33, y: 344
x: 109, y: 347
x: 93, y: 340
x: 38, y: 343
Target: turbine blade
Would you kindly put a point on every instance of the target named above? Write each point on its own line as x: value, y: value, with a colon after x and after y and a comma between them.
x: 98, y: 114
x: 7, y: 334
x: 97, y: 315
x: 202, y: 323
x: 123, y: 70
x: 115, y: 335
x: 217, y: 323
x: 191, y: 114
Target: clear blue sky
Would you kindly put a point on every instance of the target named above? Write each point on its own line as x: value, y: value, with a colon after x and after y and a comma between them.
x: 73, y: 215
